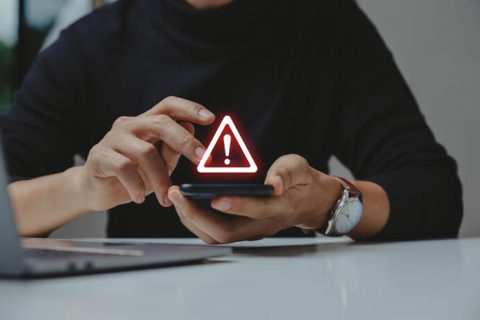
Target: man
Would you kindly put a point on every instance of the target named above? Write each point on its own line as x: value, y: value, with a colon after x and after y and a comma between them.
x: 306, y: 79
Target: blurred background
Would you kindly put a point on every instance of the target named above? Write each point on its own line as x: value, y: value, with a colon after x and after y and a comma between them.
x: 436, y: 44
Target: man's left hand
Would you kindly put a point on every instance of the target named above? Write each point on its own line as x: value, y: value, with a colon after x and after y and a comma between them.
x: 302, y: 197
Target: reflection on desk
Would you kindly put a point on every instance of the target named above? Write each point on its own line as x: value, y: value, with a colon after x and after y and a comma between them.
x: 336, y: 280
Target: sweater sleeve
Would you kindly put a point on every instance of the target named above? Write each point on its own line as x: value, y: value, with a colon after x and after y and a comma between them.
x: 383, y: 137
x: 40, y: 131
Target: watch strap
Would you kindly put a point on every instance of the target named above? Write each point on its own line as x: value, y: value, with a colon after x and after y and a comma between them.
x: 347, y: 185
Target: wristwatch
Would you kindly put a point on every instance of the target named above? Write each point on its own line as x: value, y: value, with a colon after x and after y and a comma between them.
x: 347, y: 211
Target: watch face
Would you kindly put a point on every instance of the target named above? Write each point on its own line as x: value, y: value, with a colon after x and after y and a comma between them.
x: 349, y: 216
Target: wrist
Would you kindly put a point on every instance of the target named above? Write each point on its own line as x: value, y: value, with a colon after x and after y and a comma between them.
x: 325, y: 196
x: 76, y: 190
x: 334, y: 191
x: 347, y: 212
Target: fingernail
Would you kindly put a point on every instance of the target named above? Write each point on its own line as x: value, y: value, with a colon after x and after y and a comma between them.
x: 175, y: 198
x: 199, y: 152
x: 205, y: 114
x: 223, y: 204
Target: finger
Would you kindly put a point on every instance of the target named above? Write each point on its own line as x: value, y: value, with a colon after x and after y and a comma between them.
x: 286, y: 172
x: 186, y: 222
x: 146, y: 181
x: 148, y: 159
x: 219, y: 228
x: 170, y: 156
x: 164, y: 128
x: 252, y: 207
x: 114, y: 164
x: 190, y: 226
x: 182, y: 109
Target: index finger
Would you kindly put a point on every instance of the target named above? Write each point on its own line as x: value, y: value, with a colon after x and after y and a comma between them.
x: 182, y: 109
x: 170, y: 132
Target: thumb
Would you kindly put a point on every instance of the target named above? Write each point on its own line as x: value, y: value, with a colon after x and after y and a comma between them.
x: 286, y: 172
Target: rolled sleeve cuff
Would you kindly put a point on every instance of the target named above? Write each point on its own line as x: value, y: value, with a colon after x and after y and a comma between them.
x: 406, y: 206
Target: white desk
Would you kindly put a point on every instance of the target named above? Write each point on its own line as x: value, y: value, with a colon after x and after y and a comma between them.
x: 411, y: 280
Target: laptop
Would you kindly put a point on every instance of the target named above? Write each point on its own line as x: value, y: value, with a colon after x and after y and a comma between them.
x: 42, y: 257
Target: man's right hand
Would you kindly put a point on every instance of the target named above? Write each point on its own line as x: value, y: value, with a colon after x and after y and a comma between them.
x: 138, y: 155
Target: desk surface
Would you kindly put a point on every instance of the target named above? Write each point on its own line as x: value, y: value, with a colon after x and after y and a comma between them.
x: 410, y: 280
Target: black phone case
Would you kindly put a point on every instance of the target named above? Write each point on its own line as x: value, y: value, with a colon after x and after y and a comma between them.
x: 211, y: 190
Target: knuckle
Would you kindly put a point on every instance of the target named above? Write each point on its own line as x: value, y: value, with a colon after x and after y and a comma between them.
x: 124, y: 165
x: 282, y: 171
x: 97, y: 154
x: 103, y: 154
x: 292, y: 160
x: 286, y: 173
x: 119, y: 121
x: 96, y: 149
x: 169, y: 100
x: 285, y: 159
x: 160, y: 120
x: 148, y: 150
x: 166, y: 104
x: 295, y: 157
x: 300, y: 163
x: 187, y: 141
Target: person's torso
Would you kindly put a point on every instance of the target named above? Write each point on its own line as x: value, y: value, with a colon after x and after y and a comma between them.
x: 277, y: 82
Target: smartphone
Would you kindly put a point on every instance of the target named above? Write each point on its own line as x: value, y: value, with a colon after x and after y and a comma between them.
x: 204, y: 191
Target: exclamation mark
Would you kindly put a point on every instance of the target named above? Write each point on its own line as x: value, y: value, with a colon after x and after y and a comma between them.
x: 226, y: 143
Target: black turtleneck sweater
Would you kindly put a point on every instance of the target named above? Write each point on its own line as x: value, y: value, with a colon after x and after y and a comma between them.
x: 307, y: 77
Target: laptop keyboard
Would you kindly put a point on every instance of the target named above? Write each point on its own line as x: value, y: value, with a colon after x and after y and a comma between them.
x: 62, y: 254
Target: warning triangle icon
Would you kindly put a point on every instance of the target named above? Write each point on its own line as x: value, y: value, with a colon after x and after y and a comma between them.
x: 227, y: 152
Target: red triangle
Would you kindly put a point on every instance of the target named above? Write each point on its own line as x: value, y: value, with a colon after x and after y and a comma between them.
x: 252, y: 167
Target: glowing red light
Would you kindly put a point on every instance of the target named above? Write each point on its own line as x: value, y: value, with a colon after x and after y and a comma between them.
x: 227, y: 139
